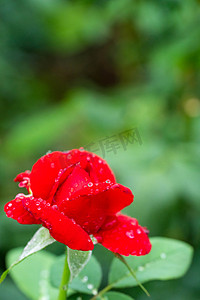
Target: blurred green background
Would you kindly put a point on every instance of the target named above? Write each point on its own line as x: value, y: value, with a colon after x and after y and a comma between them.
x: 75, y: 72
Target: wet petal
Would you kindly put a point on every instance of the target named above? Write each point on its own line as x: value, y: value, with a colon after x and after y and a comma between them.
x: 15, y: 210
x: 46, y: 169
x: 91, y: 205
x: 23, y: 179
x: 125, y: 237
x: 61, y: 228
x: 74, y: 183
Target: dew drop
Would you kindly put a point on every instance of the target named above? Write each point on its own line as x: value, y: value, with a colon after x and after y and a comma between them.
x: 130, y: 234
x: 39, y: 208
x: 69, y: 156
x: 10, y: 204
x: 140, y: 268
x: 100, y: 161
x: 55, y: 207
x: 84, y: 279
x: 90, y: 286
x: 94, y: 292
x: 90, y: 184
x: 81, y: 149
x: 163, y: 255
x: 108, y: 181
x: 52, y: 165
x: 9, y: 214
x: 139, y: 231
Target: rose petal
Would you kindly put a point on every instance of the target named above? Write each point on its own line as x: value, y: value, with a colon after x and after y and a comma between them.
x: 126, y: 237
x: 45, y: 171
x: 74, y: 183
x: 61, y: 228
x: 15, y: 210
x: 91, y: 205
x: 23, y: 179
x: 98, y: 168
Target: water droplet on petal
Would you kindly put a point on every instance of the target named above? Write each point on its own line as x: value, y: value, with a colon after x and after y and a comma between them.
x: 54, y: 206
x: 9, y: 214
x: 90, y: 184
x: 108, y: 181
x: 130, y: 234
x: 100, y: 161
x: 139, y: 231
x: 39, y: 208
x: 52, y: 165
x: 9, y: 204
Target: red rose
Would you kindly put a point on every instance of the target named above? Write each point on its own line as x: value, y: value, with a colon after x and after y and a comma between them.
x: 74, y: 194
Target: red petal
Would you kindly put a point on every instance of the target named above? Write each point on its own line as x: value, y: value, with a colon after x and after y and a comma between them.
x: 23, y: 179
x: 46, y: 170
x: 74, y: 183
x: 92, y: 204
x: 63, y: 229
x: 44, y: 173
x: 126, y: 237
x: 15, y: 210
x: 98, y: 168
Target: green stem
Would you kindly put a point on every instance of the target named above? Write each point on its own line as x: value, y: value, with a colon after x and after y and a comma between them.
x: 107, y: 288
x: 64, y: 281
x: 132, y: 272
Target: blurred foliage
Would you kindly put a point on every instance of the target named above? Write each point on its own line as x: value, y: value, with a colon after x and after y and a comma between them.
x: 74, y: 72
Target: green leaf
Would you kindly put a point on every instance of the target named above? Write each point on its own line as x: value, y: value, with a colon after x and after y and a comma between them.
x: 77, y: 260
x: 87, y: 281
x: 114, y: 296
x: 32, y: 275
x: 40, y: 240
x: 168, y: 259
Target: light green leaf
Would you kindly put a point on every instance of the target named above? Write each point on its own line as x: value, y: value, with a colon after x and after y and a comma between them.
x: 77, y: 260
x: 87, y: 281
x: 40, y: 240
x: 32, y: 275
x: 114, y: 296
x: 168, y: 259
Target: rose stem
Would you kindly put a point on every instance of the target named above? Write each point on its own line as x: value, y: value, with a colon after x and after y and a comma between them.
x: 64, y: 281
